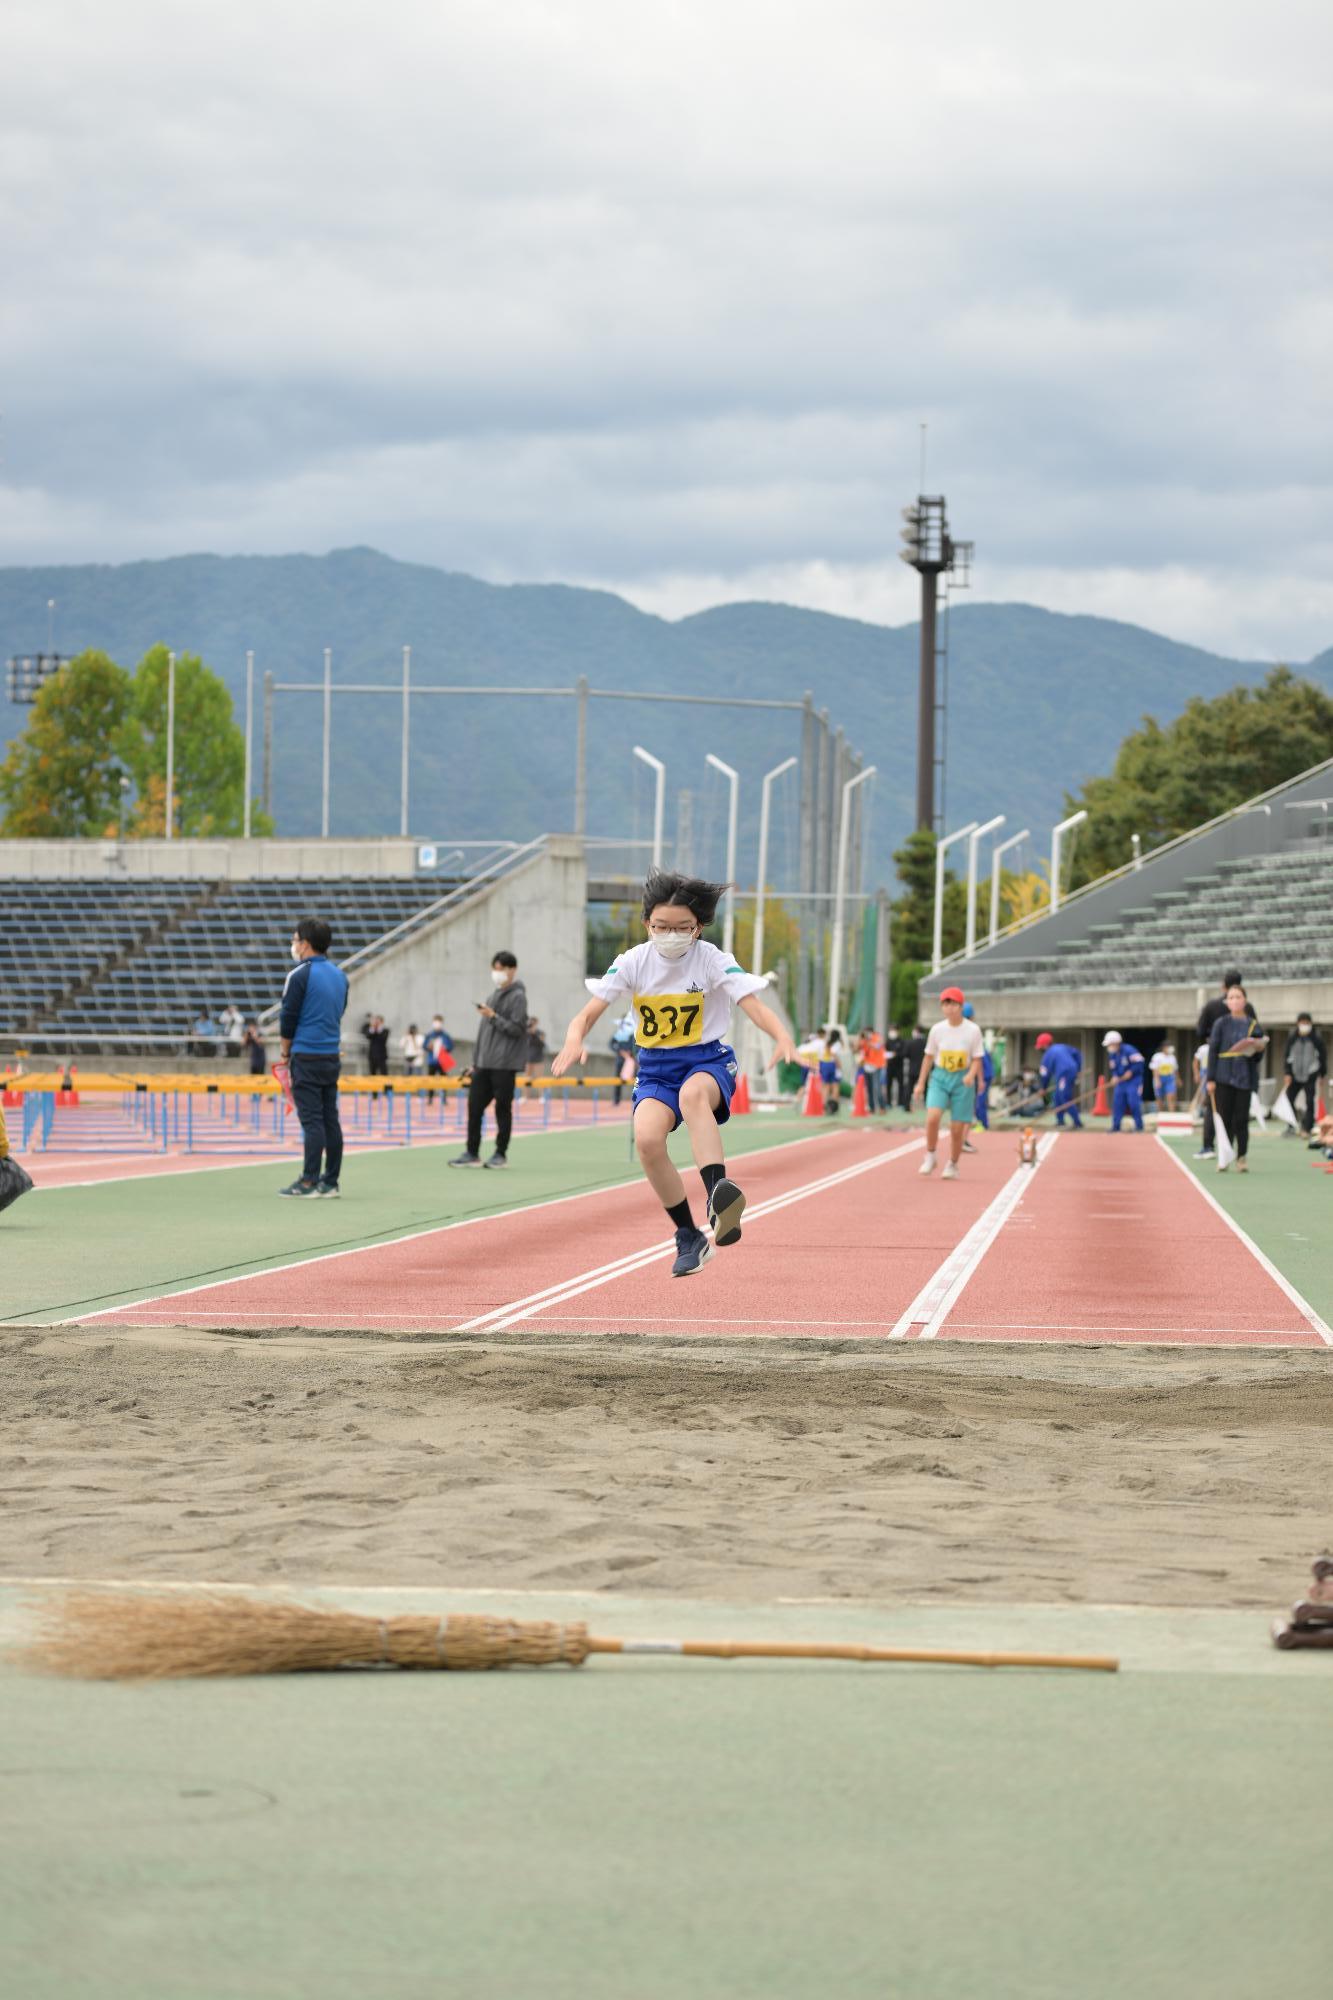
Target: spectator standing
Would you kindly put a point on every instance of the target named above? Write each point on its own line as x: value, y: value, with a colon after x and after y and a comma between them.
x: 1304, y: 1062
x: 376, y: 1033
x: 1165, y: 1067
x: 1234, y: 1048
x: 893, y: 1069
x: 207, y: 1033
x: 873, y: 1061
x: 412, y: 1048
x: 252, y: 1043
x: 624, y: 1048
x: 914, y: 1054
x: 314, y: 1000
x: 439, y: 1048
x: 502, y: 1047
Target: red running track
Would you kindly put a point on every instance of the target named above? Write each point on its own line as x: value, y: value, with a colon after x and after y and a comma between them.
x: 1107, y: 1240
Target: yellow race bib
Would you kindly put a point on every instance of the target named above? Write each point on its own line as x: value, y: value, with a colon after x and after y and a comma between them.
x: 668, y: 1020
x: 953, y: 1060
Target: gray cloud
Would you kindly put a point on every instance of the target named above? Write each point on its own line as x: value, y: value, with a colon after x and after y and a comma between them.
x: 657, y: 298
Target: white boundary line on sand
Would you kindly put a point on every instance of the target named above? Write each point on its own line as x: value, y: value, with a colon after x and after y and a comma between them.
x: 570, y: 1288
x: 413, y: 1235
x: 943, y: 1289
x: 1302, y: 1305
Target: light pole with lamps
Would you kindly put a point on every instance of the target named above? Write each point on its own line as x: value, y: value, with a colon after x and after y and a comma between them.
x: 937, y: 945
x: 839, y: 889
x: 757, y: 950
x: 249, y: 741
x: 975, y: 837
x: 1057, y: 835
x: 733, y: 785
x: 170, y: 808
x: 995, y: 853
x: 659, y: 801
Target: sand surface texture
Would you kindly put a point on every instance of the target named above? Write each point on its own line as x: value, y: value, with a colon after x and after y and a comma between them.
x: 1159, y: 1476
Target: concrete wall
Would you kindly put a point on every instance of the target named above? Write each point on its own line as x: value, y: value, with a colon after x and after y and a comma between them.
x: 538, y: 913
x: 210, y: 860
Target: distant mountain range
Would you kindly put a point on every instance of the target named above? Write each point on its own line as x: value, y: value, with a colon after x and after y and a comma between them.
x: 1038, y: 701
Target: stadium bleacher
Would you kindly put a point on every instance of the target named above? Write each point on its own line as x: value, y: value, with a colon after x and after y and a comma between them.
x: 147, y: 958
x: 1271, y: 913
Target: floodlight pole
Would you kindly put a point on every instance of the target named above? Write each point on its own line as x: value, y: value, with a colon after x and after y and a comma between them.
x: 169, y: 813
x: 765, y: 792
x: 733, y: 783
x: 659, y: 801
x: 1002, y: 848
x: 1057, y: 836
x: 328, y: 730
x: 407, y: 704
x: 978, y: 834
x: 249, y: 741
x: 937, y: 947
x: 839, y: 889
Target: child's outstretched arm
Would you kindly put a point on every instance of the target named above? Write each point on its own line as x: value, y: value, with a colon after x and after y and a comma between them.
x: 575, y: 1049
x: 764, y: 1017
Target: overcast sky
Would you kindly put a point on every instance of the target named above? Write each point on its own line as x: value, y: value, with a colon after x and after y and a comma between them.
x: 657, y: 297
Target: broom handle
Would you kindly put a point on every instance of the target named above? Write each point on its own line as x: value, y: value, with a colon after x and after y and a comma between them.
x: 779, y: 1649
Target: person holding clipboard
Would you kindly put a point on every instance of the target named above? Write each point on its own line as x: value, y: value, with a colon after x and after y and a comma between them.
x: 1234, y: 1048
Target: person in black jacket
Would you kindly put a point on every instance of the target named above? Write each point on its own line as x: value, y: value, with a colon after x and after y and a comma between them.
x: 1233, y: 1071
x: 1213, y: 1011
x: 499, y: 1055
x: 1305, y: 1061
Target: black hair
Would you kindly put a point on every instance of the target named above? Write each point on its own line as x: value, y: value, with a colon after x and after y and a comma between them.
x: 315, y: 932
x: 505, y: 958
x: 1234, y: 986
x: 688, y: 892
x: 1303, y: 1016
x: 1231, y: 979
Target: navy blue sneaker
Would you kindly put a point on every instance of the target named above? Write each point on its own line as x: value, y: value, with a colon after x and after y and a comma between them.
x: 466, y: 1160
x: 303, y: 1190
x: 327, y: 1190
x: 726, y: 1205
x: 693, y: 1251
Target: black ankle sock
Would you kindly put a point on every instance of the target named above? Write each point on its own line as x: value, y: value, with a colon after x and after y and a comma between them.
x: 681, y: 1216
x: 710, y: 1176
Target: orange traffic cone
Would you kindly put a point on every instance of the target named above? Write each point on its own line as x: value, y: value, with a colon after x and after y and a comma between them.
x: 1100, y: 1107
x: 860, y: 1107
x: 813, y: 1106
x: 740, y: 1097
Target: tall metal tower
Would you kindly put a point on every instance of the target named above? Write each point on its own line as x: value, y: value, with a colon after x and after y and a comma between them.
x: 929, y: 549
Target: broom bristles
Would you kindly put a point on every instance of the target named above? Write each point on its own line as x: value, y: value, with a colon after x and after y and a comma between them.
x: 124, y: 1636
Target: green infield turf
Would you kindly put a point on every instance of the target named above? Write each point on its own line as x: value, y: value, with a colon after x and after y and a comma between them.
x: 1284, y: 1204
x: 79, y: 1249
x: 654, y: 1828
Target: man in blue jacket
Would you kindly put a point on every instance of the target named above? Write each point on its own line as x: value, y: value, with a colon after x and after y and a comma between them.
x: 314, y: 1000
x: 1060, y: 1066
x: 1124, y: 1065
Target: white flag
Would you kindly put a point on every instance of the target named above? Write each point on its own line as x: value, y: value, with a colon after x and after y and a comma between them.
x: 1257, y: 1111
x: 1283, y: 1112
x: 1226, y: 1152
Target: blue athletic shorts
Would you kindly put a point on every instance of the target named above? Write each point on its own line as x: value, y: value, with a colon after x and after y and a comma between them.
x: 946, y: 1092
x: 663, y: 1071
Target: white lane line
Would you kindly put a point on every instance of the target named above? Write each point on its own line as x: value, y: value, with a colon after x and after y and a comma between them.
x: 409, y: 1236
x: 604, y: 1274
x: 1302, y: 1305
x: 941, y: 1292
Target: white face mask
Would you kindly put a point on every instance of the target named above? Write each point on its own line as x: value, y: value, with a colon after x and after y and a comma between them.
x: 296, y: 953
x: 501, y: 975
x: 1302, y: 1027
x: 674, y: 947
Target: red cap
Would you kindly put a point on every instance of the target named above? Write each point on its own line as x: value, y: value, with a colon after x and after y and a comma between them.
x: 952, y: 993
x: 1045, y: 1041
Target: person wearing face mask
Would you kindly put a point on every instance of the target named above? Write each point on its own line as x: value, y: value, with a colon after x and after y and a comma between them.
x: 1305, y: 1061
x: 681, y: 991
x: 500, y: 1053
x: 314, y: 1000
x: 1234, y: 1051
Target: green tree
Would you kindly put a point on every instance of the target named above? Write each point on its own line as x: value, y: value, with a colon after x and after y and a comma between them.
x: 209, y: 760
x: 913, y: 912
x: 1214, y: 756
x: 62, y: 777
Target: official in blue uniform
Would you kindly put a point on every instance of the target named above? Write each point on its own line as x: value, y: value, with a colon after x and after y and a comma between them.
x: 1125, y: 1067
x: 982, y: 1113
x: 1059, y: 1072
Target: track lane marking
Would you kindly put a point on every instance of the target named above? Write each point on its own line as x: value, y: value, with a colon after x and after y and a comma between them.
x: 515, y: 1310
x: 942, y: 1290
x: 1284, y: 1285
x: 414, y: 1235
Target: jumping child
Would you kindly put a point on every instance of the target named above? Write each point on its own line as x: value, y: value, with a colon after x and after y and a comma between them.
x: 681, y: 991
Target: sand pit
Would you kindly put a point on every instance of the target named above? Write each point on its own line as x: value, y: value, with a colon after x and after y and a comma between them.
x: 915, y: 1474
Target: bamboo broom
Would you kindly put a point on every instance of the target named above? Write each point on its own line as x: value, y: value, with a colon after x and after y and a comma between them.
x: 133, y: 1636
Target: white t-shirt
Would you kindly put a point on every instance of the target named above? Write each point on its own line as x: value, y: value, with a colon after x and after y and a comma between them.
x: 1165, y: 1065
x: 676, y: 1002
x: 955, y: 1049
